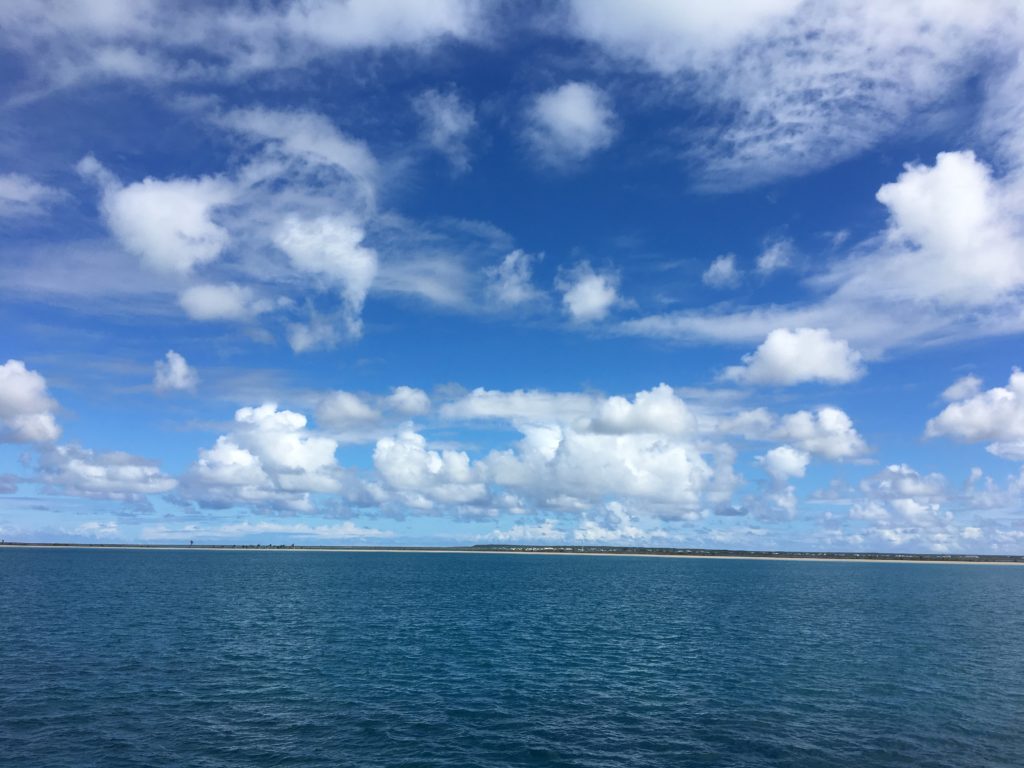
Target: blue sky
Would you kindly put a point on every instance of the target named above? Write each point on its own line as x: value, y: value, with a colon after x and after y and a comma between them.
x: 742, y: 276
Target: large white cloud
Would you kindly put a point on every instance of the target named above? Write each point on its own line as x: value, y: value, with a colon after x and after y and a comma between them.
x: 269, y: 459
x: 995, y: 416
x: 790, y: 357
x: 77, y: 471
x: 423, y: 477
x: 26, y: 408
x: 168, y: 223
x: 569, y: 123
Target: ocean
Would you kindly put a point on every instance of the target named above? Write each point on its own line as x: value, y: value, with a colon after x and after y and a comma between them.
x: 192, y: 658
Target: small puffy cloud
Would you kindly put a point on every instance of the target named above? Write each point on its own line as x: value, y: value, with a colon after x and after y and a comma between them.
x: 77, y: 471
x: 447, y: 123
x: 995, y: 415
x: 521, y: 406
x: 408, y: 401
x: 963, y: 388
x: 657, y: 411
x: 588, y: 295
x: 26, y: 408
x: 174, y: 373
x: 777, y: 255
x: 270, y: 459
x: 789, y: 357
x: 614, y: 525
x: 168, y: 224
x: 568, y: 124
x: 785, y: 462
x: 330, y: 247
x: 227, y: 301
x: 510, y: 283
x: 827, y: 432
x: 722, y: 273
x: 21, y: 196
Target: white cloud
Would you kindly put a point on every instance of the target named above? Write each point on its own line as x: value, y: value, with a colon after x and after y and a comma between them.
x: 569, y: 123
x: 174, y: 373
x: 657, y: 411
x: 777, y: 255
x: 797, y: 85
x: 169, y: 223
x: 26, y: 408
x: 521, y: 406
x: 21, y: 196
x: 995, y: 416
x: 424, y: 477
x: 66, y: 43
x: 269, y: 459
x: 447, y: 124
x: 614, y: 525
x: 229, y: 301
x: 827, y: 432
x: 785, y: 462
x: 331, y: 248
x: 963, y: 388
x: 342, y: 410
x: 793, y: 357
x: 510, y: 283
x: 545, y: 531
x: 949, y: 266
x: 408, y: 401
x: 248, y: 528
x: 722, y: 272
x: 308, y: 136
x: 588, y: 295
x: 77, y: 471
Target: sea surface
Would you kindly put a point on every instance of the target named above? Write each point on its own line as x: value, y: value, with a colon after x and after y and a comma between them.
x: 150, y: 658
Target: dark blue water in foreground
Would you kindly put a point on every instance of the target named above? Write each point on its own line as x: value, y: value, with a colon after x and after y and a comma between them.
x: 129, y: 658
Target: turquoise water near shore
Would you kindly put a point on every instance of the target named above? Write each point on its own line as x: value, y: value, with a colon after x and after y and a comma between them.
x: 143, y: 658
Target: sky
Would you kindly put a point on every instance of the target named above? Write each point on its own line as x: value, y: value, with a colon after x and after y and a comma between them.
x: 741, y: 275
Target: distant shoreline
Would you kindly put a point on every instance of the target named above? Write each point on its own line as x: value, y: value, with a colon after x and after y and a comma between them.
x: 716, y: 554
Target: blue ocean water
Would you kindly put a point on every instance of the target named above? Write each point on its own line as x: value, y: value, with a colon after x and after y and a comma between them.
x: 150, y: 658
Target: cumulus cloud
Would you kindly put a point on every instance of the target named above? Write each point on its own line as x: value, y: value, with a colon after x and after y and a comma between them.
x: 785, y: 462
x: 270, y: 459
x: 423, y: 477
x: 826, y: 431
x: 587, y: 295
x: 510, y: 283
x: 76, y: 471
x: 342, y: 410
x: 793, y: 357
x: 995, y: 416
x: 22, y: 196
x: 167, y: 223
x: 174, y: 373
x: 26, y: 408
x: 408, y: 401
x: 447, y: 124
x: 722, y: 272
x: 569, y: 123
